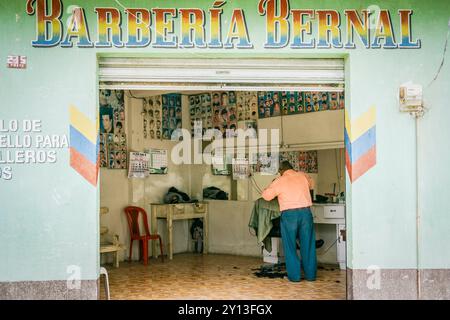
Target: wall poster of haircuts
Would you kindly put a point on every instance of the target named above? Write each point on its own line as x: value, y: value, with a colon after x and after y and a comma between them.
x: 334, y: 100
x: 154, y: 117
x: 305, y: 161
x: 341, y: 100
x: 224, y: 112
x: 103, y: 152
x: 269, y: 104
x: 200, y: 111
x: 113, y: 141
x: 267, y: 163
x: 249, y: 125
x: 275, y: 103
x: 117, y: 151
x: 292, y: 157
x: 247, y: 105
x: 171, y: 115
x: 312, y: 164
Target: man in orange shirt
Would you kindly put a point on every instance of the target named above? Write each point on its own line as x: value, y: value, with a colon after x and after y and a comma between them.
x: 293, y: 191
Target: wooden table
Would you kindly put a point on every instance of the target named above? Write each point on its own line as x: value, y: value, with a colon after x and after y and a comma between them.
x: 179, y: 211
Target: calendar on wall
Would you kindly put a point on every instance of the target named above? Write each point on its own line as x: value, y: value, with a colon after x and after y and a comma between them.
x: 138, y: 165
x: 221, y: 165
x: 158, y: 162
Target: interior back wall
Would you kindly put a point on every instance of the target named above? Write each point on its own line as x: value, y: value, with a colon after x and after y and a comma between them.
x: 117, y: 191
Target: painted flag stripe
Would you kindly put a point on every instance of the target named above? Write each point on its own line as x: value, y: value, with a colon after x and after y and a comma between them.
x: 360, y: 125
x: 83, y: 124
x: 84, y: 146
x: 359, y: 147
x: 366, y: 162
x: 84, y: 167
x: 348, y: 164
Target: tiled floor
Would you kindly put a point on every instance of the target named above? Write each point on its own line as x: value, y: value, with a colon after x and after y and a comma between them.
x: 195, y: 276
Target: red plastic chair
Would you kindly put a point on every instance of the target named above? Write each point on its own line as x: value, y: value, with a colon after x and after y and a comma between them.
x: 133, y: 214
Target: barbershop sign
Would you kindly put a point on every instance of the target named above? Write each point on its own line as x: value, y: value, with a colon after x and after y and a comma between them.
x: 220, y: 27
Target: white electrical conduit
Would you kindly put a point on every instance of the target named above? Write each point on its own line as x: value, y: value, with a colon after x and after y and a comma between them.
x: 418, y: 216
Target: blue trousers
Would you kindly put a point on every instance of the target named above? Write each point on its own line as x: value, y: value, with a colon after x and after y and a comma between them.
x: 298, y: 224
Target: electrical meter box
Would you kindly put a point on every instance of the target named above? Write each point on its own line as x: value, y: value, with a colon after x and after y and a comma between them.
x: 410, y: 97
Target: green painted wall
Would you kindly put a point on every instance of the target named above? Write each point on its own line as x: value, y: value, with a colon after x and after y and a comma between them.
x: 48, y: 215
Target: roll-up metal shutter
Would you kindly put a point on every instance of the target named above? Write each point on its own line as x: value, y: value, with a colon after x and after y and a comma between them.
x: 220, y: 74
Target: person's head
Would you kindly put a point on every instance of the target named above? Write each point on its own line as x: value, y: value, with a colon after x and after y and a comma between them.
x: 224, y: 114
x: 224, y: 99
x: 107, y: 118
x: 284, y: 166
x: 216, y: 98
x: 104, y: 97
x: 119, y: 95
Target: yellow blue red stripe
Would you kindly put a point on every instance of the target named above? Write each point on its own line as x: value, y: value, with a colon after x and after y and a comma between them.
x: 360, y: 144
x: 84, y: 146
